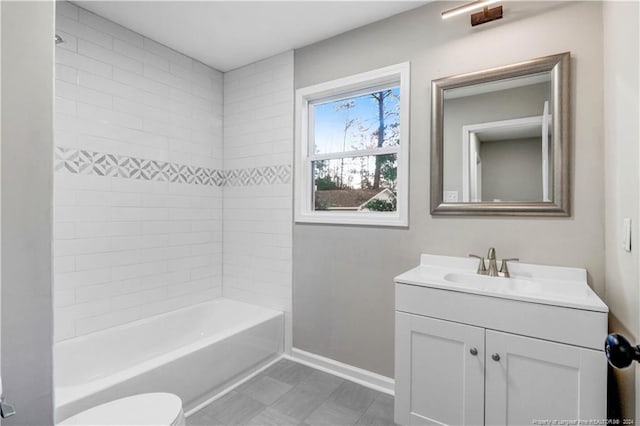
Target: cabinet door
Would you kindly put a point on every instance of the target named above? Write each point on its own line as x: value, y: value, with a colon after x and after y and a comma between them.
x: 439, y: 378
x: 539, y: 380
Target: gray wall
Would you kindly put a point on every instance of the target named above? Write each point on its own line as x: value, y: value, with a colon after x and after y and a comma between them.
x: 511, y: 170
x: 343, y: 275
x: 621, y: 135
x: 519, y: 102
x: 27, y: 170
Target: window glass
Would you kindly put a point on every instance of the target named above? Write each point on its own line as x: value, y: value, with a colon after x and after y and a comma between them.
x: 365, y: 183
x: 355, y: 123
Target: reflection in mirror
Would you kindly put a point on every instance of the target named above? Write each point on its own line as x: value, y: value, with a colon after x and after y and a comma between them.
x: 500, y: 140
x: 496, y: 141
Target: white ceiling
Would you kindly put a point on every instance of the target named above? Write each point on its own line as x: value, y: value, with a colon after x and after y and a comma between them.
x: 229, y: 34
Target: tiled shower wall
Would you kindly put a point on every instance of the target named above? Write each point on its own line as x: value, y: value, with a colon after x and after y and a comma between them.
x: 138, y: 181
x: 258, y: 153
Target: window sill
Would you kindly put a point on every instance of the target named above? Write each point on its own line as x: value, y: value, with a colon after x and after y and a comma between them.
x: 361, y: 219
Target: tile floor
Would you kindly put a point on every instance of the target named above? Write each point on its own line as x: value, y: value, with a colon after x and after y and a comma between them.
x: 288, y: 393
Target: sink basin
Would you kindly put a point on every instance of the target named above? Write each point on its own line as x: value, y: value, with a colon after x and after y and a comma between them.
x: 477, y: 281
x: 551, y: 285
x: 498, y: 284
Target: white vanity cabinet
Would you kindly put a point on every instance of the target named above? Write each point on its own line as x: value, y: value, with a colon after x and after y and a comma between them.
x: 438, y: 380
x: 468, y: 355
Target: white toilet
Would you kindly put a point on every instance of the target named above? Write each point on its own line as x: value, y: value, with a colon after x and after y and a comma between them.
x: 161, y: 409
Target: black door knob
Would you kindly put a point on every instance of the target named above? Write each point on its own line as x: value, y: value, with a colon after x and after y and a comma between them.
x: 620, y: 352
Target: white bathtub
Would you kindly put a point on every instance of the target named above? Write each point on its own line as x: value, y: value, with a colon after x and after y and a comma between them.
x: 194, y: 352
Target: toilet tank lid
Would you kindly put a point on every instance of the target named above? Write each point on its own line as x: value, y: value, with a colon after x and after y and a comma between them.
x: 144, y: 409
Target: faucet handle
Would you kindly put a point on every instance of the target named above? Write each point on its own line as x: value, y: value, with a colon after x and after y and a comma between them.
x: 482, y: 268
x: 503, y: 266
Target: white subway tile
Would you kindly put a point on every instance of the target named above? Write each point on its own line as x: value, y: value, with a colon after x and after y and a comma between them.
x: 166, y: 78
x: 84, y: 63
x: 138, y: 214
x: 83, y: 32
x: 65, y: 106
x: 107, y: 55
x: 167, y: 53
x: 180, y: 239
x: 139, y: 242
x: 115, y: 288
x: 64, y: 298
x: 67, y: 280
x: 130, y: 248
x: 136, y: 80
x: 136, y: 299
x: 139, y: 186
x: 63, y: 264
x: 107, y: 85
x: 139, y: 109
x: 258, y: 121
x: 108, y: 116
x: 108, y: 27
x: 106, y: 260
x: 138, y: 270
x: 213, y: 271
x: 140, y: 54
x: 106, y: 198
x: 63, y: 231
x: 106, y: 229
x: 163, y: 253
x: 79, y: 214
x: 64, y: 327
x: 101, y: 322
x: 191, y: 287
x: 166, y: 129
x: 189, y: 263
x: 77, y: 246
x: 65, y: 139
x: 65, y: 73
x: 165, y: 227
x: 82, y: 94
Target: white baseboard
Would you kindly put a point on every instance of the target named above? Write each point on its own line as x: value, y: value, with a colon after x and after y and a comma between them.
x: 363, y: 377
x: 234, y: 385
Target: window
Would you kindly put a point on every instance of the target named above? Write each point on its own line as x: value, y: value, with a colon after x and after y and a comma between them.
x: 352, y: 152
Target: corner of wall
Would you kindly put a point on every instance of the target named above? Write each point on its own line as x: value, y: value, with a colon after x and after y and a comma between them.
x: 257, y: 211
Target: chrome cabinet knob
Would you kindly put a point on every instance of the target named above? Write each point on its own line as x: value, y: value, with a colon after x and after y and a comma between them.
x: 495, y: 357
x: 473, y: 351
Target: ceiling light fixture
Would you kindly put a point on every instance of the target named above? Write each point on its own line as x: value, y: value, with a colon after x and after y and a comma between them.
x: 486, y: 15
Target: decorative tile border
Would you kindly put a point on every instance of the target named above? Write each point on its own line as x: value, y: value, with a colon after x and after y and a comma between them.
x: 258, y: 175
x: 83, y: 162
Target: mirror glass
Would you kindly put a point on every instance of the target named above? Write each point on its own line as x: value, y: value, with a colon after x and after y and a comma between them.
x: 500, y: 140
x: 496, y: 141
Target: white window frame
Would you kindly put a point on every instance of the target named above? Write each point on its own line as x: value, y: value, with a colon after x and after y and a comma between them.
x: 345, y: 88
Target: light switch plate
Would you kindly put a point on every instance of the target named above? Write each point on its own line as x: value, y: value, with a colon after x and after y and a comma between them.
x: 626, y: 234
x: 450, y: 196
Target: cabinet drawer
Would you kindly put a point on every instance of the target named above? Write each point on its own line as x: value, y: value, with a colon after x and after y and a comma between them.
x: 579, y: 327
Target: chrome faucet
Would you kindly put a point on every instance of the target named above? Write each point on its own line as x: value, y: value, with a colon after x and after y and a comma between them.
x: 493, y: 266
